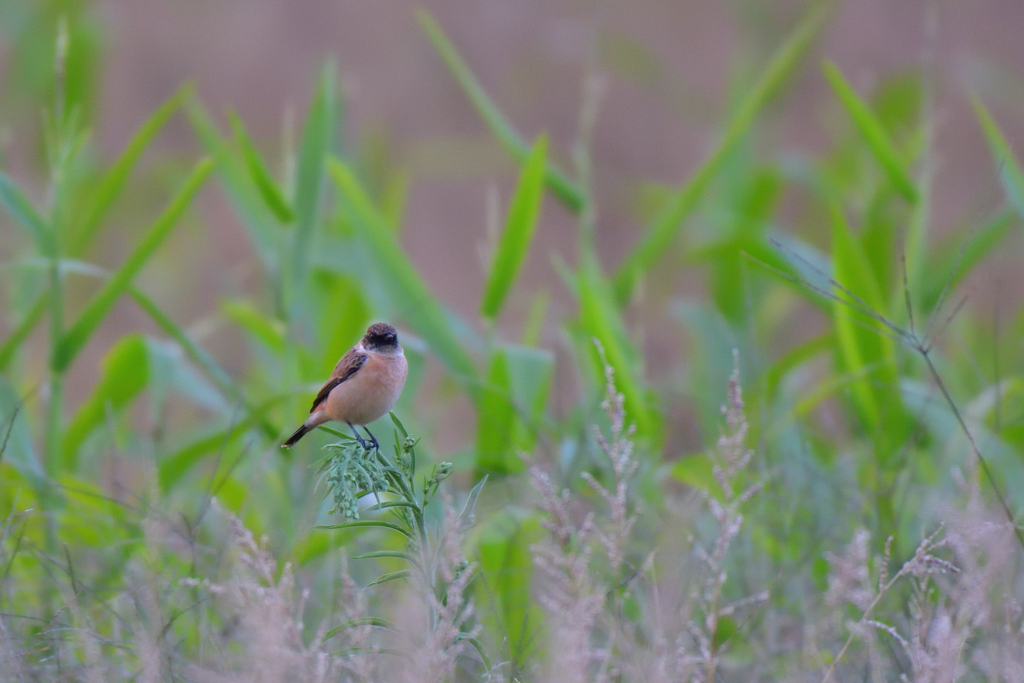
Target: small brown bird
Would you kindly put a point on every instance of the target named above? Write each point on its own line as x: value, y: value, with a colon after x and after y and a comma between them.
x: 364, y: 386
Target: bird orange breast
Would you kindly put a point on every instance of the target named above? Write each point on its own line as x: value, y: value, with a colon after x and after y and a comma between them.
x: 371, y: 392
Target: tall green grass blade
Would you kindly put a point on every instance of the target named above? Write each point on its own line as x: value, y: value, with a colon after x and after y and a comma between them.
x: 264, y: 234
x: 125, y: 373
x: 406, y: 289
x: 519, y: 228
x: 76, y: 337
x: 174, y: 467
x: 600, y: 319
x: 224, y: 383
x: 873, y: 132
x: 317, y: 143
x: 661, y: 233
x: 495, y: 420
x: 271, y: 333
x: 1009, y: 168
x: 261, y: 178
x: 531, y: 371
x: 957, y: 260
x: 505, y: 585
x: 23, y: 330
x: 559, y: 184
x: 867, y: 356
x: 113, y: 183
x: 21, y: 210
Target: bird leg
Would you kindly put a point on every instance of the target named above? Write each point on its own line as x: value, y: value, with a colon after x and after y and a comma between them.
x: 359, y: 438
x: 373, y: 439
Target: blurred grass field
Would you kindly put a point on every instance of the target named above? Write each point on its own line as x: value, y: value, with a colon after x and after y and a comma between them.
x: 850, y: 513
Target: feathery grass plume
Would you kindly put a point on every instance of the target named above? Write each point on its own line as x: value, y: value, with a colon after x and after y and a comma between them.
x: 436, y: 620
x: 358, y: 652
x: 572, y: 592
x: 849, y: 583
x: 572, y: 598
x: 730, y: 460
x: 265, y: 629
x: 619, y: 450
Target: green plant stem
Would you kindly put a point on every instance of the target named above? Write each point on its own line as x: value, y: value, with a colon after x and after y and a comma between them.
x: 973, y: 444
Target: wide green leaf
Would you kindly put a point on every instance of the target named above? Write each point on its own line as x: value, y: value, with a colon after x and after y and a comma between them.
x: 661, y: 233
x: 124, y: 374
x: 76, y: 337
x: 873, y: 132
x: 495, y: 419
x: 560, y: 185
x: 519, y: 228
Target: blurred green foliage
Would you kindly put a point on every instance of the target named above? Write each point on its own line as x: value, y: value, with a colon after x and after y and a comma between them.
x: 850, y: 427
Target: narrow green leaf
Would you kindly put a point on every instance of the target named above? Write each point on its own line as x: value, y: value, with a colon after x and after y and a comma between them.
x: 661, y: 233
x: 519, y: 228
x: 124, y: 374
x: 398, y: 423
x: 317, y: 143
x: 1009, y: 168
x: 407, y: 291
x: 478, y: 646
x: 393, y: 504
x: 697, y: 470
x: 76, y: 337
x: 873, y: 133
x: 391, y: 576
x: 259, y: 174
x: 466, y: 517
x: 112, y: 184
x: 531, y: 371
x: 361, y: 621
x: 21, y: 210
x: 265, y: 234
x: 271, y: 333
x: 794, y: 358
x: 23, y: 330
x: 956, y: 260
x: 600, y: 319
x: 367, y: 523
x: 200, y: 357
x: 386, y: 554
x: 868, y: 356
x: 175, y: 466
x: 559, y: 184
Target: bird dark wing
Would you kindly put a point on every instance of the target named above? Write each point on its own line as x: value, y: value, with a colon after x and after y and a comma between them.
x: 346, y: 367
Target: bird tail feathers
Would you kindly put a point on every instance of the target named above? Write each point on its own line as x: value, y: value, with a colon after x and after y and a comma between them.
x: 299, y: 433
